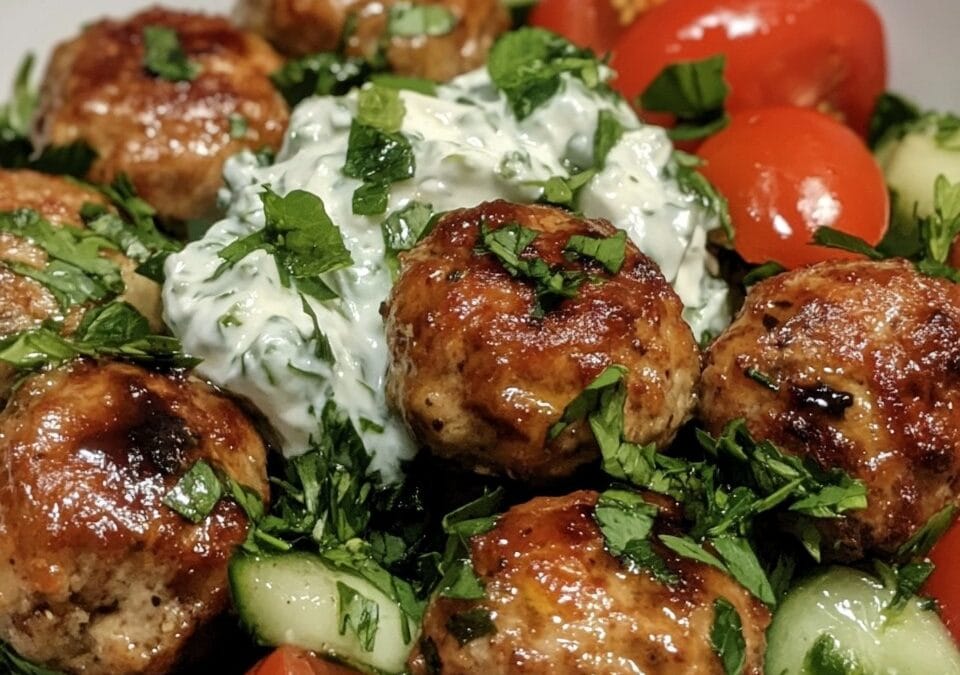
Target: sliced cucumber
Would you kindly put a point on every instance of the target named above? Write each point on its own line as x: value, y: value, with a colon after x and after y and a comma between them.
x: 297, y: 599
x: 836, y: 623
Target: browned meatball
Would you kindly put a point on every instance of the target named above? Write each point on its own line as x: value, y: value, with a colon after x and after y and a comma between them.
x: 299, y: 27
x: 561, y: 603
x: 479, y: 379
x: 171, y: 138
x: 863, y: 360
x: 96, y: 574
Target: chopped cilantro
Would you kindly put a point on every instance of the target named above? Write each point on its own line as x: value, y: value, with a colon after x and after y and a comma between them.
x: 359, y: 614
x: 826, y: 657
x: 609, y: 132
x: 408, y: 21
x: 163, y: 56
x: 404, y: 229
x: 471, y: 625
x: 726, y: 637
x: 626, y: 521
x: 416, y: 84
x: 371, y: 199
x: 381, y: 107
x: 693, y: 91
x: 196, y: 494
x: 561, y: 191
x: 611, y: 252
x: 376, y: 156
x: 322, y: 350
x: 683, y: 168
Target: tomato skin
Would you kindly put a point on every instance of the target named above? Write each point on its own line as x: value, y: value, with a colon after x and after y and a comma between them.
x: 824, y: 54
x: 787, y: 172
x: 289, y: 660
x: 586, y: 23
x: 944, y: 583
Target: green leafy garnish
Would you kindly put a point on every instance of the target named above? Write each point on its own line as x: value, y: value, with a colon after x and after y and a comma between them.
x: 381, y: 107
x: 416, y: 84
x: 609, y: 132
x: 891, y: 114
x: 695, y: 92
x: 683, y: 169
x: 378, y: 158
x: 371, y: 199
x: 626, y: 522
x: 196, y: 494
x: 471, y: 625
x: 563, y: 191
x: 409, y: 21
x: 826, y: 657
x: 526, y: 65
x: 726, y: 637
x: 300, y: 236
x: 324, y: 74
x: 238, y: 126
x: 611, y: 252
x: 358, y: 614
x: 404, y: 229
x: 163, y: 56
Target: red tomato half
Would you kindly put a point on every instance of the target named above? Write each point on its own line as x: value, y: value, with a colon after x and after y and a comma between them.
x: 789, y: 171
x: 586, y: 23
x: 824, y: 54
x: 944, y: 584
x: 293, y: 661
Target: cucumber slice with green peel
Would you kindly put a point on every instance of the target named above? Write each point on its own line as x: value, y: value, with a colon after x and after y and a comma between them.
x: 298, y: 599
x: 837, y: 623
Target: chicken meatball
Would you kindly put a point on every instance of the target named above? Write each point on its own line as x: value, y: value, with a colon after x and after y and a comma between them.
x: 97, y: 575
x: 170, y: 137
x: 479, y: 377
x: 559, y: 602
x: 362, y: 28
x: 855, y: 366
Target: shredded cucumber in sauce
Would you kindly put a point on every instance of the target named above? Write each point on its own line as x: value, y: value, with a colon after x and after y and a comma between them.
x: 252, y: 332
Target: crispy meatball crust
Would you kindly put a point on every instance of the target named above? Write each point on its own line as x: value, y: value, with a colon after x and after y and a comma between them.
x: 865, y: 357
x: 299, y: 27
x: 171, y: 138
x: 479, y: 380
x: 561, y: 603
x: 96, y: 575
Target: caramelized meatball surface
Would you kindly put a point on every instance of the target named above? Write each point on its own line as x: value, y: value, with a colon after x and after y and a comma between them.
x: 170, y: 137
x: 561, y: 603
x: 479, y: 379
x: 362, y: 27
x: 96, y: 574
x: 863, y: 363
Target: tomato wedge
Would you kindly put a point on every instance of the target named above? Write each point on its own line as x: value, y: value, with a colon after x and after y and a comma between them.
x: 823, y: 54
x: 944, y: 583
x: 294, y: 661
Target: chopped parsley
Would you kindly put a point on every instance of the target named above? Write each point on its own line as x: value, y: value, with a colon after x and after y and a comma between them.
x: 416, y: 84
x: 196, y: 494
x: 404, y: 229
x: 608, y: 134
x: 163, y: 56
x: 378, y: 157
x: 409, y: 21
x: 726, y: 637
x: 611, y: 252
x: 471, y: 625
x: 381, y: 107
x: 324, y: 74
x: 683, y: 168
x: 626, y: 521
x: 694, y: 92
x: 527, y: 64
x: 358, y: 614
x: 300, y: 236
x: 826, y: 657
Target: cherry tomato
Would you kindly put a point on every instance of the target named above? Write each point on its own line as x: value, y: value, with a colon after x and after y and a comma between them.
x: 944, y: 584
x: 824, y: 54
x: 789, y: 171
x: 589, y: 23
x: 294, y: 661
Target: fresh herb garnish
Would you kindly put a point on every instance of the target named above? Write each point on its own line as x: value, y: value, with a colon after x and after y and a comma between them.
x: 763, y: 272
x: 695, y: 92
x: 408, y: 21
x: 683, y: 169
x: 609, y: 132
x: 358, y: 614
x: 325, y: 74
x: 827, y: 658
x: 300, y: 236
x: 611, y: 252
x: 378, y: 157
x: 196, y: 494
x: 163, y: 56
x: 626, y: 521
x: 416, y: 84
x: 471, y: 625
x: 563, y: 191
x: 891, y: 115
x: 381, y: 107
x: 238, y: 126
x: 371, y: 199
x: 726, y: 637
x: 527, y: 64
x: 458, y: 578
x: 404, y: 229
x: 761, y: 377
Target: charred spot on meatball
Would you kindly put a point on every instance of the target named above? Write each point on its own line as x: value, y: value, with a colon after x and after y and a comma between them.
x: 97, y: 575
x: 556, y: 600
x: 169, y: 135
x: 863, y: 355
x: 483, y: 364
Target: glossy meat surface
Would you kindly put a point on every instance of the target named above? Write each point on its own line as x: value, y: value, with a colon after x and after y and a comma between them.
x: 865, y: 357
x: 480, y: 380
x: 96, y: 574
x: 300, y: 27
x: 171, y: 138
x: 562, y: 604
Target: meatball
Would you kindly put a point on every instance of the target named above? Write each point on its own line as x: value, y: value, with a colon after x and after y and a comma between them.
x: 560, y: 602
x: 96, y: 574
x: 478, y: 378
x: 855, y: 366
x: 170, y: 137
x: 361, y: 27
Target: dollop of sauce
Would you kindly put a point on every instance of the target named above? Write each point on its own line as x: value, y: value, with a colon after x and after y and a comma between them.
x: 252, y: 332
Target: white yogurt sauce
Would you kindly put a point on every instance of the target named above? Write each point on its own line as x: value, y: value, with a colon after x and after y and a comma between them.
x: 252, y: 333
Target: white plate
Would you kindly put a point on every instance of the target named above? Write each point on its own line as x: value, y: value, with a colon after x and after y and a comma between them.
x: 922, y: 36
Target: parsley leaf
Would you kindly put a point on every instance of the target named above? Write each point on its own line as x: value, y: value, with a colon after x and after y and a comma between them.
x: 359, y: 614
x: 608, y: 134
x: 683, y: 169
x: 626, y: 521
x: 404, y: 229
x: 164, y: 57
x: 324, y: 74
x: 695, y: 92
x: 508, y: 243
x: 371, y: 199
x: 611, y: 252
x: 196, y: 494
x: 416, y: 84
x: 726, y: 637
x: 302, y: 239
x: 471, y: 625
x: 826, y: 658
x: 376, y: 156
x: 526, y: 65
x: 409, y: 21
x: 381, y: 107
